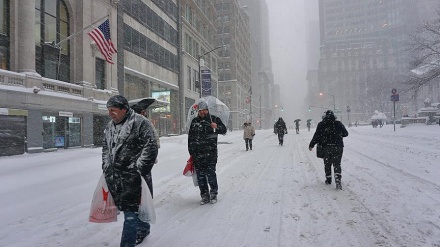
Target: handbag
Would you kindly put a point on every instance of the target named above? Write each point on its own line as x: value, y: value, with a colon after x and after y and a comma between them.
x: 103, y: 208
x: 319, y: 151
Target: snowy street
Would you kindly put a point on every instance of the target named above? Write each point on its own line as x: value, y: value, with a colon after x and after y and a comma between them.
x: 270, y: 196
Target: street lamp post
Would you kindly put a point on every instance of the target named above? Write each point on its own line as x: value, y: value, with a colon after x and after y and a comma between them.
x: 334, y: 105
x: 199, y: 57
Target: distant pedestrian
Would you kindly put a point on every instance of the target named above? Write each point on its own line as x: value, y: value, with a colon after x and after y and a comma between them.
x: 248, y: 135
x: 280, y: 129
x: 297, y: 126
x: 329, y: 134
x: 308, y: 125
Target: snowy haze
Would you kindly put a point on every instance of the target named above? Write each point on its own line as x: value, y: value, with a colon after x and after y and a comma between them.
x: 287, y: 21
x: 270, y: 196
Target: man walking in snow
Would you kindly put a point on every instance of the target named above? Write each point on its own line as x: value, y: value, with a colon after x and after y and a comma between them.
x: 202, y: 146
x: 280, y: 129
x: 329, y: 134
x: 129, y: 152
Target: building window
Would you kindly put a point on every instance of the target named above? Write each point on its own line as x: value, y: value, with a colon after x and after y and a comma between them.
x: 189, y: 77
x: 100, y: 73
x: 52, y: 26
x: 4, y: 34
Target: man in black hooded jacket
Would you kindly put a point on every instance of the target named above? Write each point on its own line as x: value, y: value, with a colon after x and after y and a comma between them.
x: 329, y: 134
x: 202, y: 146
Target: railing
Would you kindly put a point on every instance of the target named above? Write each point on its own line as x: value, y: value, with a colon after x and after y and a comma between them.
x: 12, y: 79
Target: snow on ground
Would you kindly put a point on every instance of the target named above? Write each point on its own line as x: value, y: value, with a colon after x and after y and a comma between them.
x: 271, y: 196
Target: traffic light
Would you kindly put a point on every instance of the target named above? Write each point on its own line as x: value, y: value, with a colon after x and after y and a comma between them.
x: 282, y: 108
x: 309, y: 109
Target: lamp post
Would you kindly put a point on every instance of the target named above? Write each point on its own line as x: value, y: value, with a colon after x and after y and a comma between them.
x: 199, y: 57
x: 334, y: 105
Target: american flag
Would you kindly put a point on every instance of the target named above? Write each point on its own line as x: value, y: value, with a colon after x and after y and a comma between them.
x: 101, y: 36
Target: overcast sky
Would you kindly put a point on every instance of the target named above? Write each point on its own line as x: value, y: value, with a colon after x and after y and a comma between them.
x: 287, y: 20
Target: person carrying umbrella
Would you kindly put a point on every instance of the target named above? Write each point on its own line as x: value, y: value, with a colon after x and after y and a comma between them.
x: 248, y: 134
x: 202, y: 146
x: 297, y: 125
x: 309, y: 124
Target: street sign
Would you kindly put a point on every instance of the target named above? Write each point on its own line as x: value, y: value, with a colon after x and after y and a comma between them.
x: 394, y: 95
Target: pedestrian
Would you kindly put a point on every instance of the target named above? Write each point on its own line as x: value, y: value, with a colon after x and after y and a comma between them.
x: 202, y: 146
x: 297, y: 126
x: 280, y: 129
x: 248, y: 135
x: 308, y: 125
x: 329, y: 134
x: 129, y: 152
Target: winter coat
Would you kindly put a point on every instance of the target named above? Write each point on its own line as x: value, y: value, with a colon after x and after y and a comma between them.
x: 202, y: 140
x: 127, y: 157
x: 280, y: 127
x: 329, y: 132
x: 248, y: 132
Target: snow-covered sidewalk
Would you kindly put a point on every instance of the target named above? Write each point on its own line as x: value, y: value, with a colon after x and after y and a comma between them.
x: 270, y: 196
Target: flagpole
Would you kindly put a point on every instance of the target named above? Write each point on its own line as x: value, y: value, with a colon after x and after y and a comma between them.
x: 58, y: 44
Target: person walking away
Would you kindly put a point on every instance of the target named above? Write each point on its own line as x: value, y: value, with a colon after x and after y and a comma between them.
x: 308, y: 125
x: 297, y: 127
x: 129, y: 151
x: 248, y: 135
x: 202, y: 146
x: 329, y: 134
x: 280, y: 129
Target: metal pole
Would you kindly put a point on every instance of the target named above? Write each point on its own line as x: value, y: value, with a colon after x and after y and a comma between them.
x: 260, y: 112
x: 394, y: 118
x: 200, y: 78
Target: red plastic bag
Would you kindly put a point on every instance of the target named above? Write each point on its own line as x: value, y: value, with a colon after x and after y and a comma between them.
x: 103, y: 209
x: 189, y: 168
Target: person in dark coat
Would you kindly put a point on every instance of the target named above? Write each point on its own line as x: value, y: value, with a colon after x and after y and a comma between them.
x: 297, y: 126
x: 280, y: 129
x: 129, y: 151
x: 202, y: 146
x: 329, y: 134
x: 248, y: 134
x: 308, y: 125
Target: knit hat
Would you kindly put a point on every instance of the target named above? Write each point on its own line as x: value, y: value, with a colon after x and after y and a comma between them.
x: 203, y: 106
x: 118, y: 101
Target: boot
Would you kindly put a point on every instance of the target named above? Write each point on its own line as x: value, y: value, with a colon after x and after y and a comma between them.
x: 328, y: 180
x: 338, y: 181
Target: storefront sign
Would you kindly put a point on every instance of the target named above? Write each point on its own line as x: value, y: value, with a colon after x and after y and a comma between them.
x: 206, y: 82
x: 65, y: 114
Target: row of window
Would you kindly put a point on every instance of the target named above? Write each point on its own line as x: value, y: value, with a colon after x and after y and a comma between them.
x: 145, y: 15
x: 146, y: 48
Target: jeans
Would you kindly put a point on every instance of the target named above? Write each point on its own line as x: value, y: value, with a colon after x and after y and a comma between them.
x: 206, y: 175
x: 333, y: 156
x: 132, y: 227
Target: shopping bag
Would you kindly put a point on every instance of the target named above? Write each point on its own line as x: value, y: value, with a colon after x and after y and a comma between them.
x: 103, y: 208
x: 319, y: 151
x: 146, y: 211
x: 194, y: 177
x: 189, y: 168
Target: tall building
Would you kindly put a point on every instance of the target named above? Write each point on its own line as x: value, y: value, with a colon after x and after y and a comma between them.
x: 234, y: 67
x: 262, y: 82
x: 55, y: 80
x: 199, y: 52
x: 148, y: 62
x: 362, y: 53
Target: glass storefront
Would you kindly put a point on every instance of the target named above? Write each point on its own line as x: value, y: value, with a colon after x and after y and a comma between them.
x: 61, y: 132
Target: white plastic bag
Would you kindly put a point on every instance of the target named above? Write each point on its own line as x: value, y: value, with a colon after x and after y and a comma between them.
x: 146, y: 208
x: 103, y: 208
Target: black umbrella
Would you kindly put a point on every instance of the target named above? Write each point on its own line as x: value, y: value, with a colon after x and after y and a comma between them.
x: 297, y: 120
x: 309, y: 120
